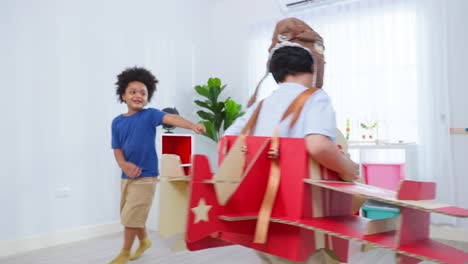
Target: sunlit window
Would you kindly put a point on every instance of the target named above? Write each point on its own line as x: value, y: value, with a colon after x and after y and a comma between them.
x: 371, y: 68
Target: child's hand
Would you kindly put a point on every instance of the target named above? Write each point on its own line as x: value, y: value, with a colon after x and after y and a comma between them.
x: 345, y: 154
x: 131, y: 170
x: 353, y: 173
x: 198, y: 128
x: 349, y: 177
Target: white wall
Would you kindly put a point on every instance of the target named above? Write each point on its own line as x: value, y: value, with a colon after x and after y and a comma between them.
x: 58, y: 62
x: 226, y: 42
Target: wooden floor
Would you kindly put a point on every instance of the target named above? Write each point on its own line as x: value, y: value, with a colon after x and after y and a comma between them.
x: 102, y: 250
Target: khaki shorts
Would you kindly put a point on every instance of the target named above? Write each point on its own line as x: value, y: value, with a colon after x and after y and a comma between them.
x: 136, y: 200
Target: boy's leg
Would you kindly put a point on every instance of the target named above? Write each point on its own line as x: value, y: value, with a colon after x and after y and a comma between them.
x: 142, y: 233
x: 129, y: 237
x: 124, y: 255
x: 145, y: 243
x: 136, y: 199
x: 143, y: 189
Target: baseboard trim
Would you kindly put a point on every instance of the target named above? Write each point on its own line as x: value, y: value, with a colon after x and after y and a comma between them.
x: 14, y: 247
x: 449, y: 233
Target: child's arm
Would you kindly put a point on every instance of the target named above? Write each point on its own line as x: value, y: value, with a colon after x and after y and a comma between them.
x: 178, y: 121
x: 326, y: 153
x: 130, y: 169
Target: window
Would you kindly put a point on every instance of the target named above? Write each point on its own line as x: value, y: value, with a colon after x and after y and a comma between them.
x: 371, y: 65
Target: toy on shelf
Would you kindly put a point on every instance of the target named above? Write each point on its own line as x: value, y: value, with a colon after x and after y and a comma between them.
x: 348, y: 129
x: 368, y: 132
x: 169, y: 128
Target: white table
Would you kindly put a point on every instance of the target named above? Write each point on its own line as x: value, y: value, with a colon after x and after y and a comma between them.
x: 409, y: 150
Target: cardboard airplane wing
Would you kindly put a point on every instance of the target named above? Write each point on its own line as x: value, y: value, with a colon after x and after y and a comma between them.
x: 411, y: 194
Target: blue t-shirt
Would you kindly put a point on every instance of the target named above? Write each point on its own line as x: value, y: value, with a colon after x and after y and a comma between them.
x: 135, y: 135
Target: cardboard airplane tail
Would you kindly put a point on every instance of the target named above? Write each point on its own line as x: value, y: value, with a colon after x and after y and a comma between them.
x: 203, y: 225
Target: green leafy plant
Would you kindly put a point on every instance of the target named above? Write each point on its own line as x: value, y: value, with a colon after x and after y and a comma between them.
x: 216, y: 115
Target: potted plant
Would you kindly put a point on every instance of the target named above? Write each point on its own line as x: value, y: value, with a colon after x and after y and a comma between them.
x: 216, y: 115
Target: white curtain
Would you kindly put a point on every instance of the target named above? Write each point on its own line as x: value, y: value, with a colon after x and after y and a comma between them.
x: 385, y: 63
x: 434, y: 148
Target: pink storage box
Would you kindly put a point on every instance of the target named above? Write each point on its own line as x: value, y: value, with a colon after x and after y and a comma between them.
x: 386, y: 176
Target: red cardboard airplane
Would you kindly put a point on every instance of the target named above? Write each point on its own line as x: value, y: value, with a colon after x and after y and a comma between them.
x: 303, y: 209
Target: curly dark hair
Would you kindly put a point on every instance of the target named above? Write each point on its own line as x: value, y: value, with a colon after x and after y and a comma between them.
x: 139, y: 74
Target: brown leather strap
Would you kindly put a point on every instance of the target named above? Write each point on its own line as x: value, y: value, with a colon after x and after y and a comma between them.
x: 250, y: 126
x: 263, y: 221
x: 296, y: 106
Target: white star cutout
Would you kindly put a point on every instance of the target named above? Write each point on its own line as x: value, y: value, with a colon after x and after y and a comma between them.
x: 201, y: 211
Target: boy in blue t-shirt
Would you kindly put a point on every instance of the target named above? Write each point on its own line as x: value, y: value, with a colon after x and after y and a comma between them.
x: 133, y: 141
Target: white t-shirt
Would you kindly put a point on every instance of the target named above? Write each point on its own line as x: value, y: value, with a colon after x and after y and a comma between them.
x: 317, y: 116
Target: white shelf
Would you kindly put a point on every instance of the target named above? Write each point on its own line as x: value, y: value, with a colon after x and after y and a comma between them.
x: 176, y: 135
x: 381, y: 146
x: 409, y: 157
